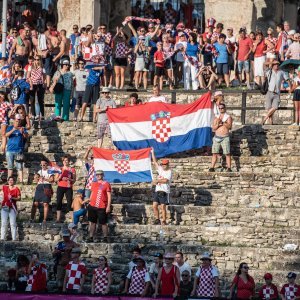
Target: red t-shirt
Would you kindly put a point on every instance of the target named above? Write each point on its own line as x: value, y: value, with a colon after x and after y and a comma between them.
x: 244, y: 289
x: 159, y: 55
x: 68, y: 173
x: 261, y: 47
x: 99, y: 192
x: 8, y: 194
x: 268, y: 292
x: 244, y: 48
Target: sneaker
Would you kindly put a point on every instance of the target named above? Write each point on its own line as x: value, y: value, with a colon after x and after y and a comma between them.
x: 211, y: 169
x: 89, y: 240
x: 156, y: 222
x: 249, y: 86
x: 228, y: 170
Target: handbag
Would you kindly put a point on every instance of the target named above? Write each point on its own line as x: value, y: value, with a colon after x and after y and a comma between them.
x: 48, y: 191
x: 19, y: 157
x: 265, y: 86
x: 59, y: 87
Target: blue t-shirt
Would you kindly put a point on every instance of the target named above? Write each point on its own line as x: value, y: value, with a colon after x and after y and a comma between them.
x: 94, y: 77
x: 74, y: 42
x: 192, y: 50
x: 16, y: 141
x: 222, y: 57
x: 24, y: 88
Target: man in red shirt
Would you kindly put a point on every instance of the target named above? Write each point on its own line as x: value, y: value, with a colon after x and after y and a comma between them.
x: 99, y: 207
x: 245, y: 45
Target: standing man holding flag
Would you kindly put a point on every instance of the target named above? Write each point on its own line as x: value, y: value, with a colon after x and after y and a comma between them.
x: 162, y: 189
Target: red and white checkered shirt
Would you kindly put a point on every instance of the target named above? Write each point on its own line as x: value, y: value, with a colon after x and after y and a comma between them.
x: 138, y: 280
x: 121, y: 50
x: 9, y: 42
x: 74, y: 273
x: 4, y: 108
x: 268, y: 292
x: 206, y: 282
x: 36, y: 75
x: 271, y: 42
x: 106, y: 38
x: 90, y: 177
x: 37, y: 280
x: 290, y: 291
x: 101, y: 279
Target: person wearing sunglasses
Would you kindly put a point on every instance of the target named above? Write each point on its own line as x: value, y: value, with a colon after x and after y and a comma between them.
x: 221, y: 126
x: 74, y: 40
x: 243, y: 285
x: 102, y: 278
x: 186, y: 286
x: 206, y: 283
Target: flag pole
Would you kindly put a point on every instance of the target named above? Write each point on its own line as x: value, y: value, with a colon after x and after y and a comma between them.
x: 4, y: 27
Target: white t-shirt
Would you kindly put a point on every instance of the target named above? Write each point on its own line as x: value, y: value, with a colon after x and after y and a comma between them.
x: 153, y: 269
x: 158, y: 99
x: 184, y: 267
x: 163, y: 174
x: 147, y: 276
x: 44, y: 176
x: 131, y: 264
x: 214, y: 272
x: 297, y: 81
x: 81, y: 77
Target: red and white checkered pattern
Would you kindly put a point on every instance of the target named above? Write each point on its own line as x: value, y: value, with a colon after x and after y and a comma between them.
x: 161, y: 129
x: 4, y: 108
x: 101, y: 281
x: 122, y: 166
x: 38, y: 274
x: 36, y: 75
x: 206, y: 284
x: 121, y: 50
x: 9, y: 42
x: 290, y: 291
x: 90, y: 178
x: 170, y: 16
x: 74, y: 273
x: 272, y: 40
x: 268, y: 292
x: 137, y: 283
x: 106, y: 38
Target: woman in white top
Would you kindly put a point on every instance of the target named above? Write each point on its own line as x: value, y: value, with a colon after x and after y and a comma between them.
x: 43, y: 191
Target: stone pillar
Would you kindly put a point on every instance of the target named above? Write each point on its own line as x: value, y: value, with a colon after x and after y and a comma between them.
x: 291, y: 12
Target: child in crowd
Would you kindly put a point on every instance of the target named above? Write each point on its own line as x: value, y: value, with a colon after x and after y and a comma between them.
x: 78, y: 207
x: 159, y: 65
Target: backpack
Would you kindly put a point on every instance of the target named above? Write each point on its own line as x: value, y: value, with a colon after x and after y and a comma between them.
x: 15, y: 93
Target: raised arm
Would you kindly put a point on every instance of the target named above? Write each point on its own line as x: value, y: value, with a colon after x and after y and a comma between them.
x: 154, y: 159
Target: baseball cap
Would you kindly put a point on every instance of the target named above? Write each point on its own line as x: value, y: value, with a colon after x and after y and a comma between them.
x: 159, y: 255
x: 268, y: 276
x: 99, y: 172
x: 291, y: 275
x: 76, y: 250
x: 65, y: 62
x: 65, y: 233
x: 164, y: 161
x: 80, y: 191
x: 105, y: 90
x: 169, y: 255
x: 218, y: 93
x: 72, y: 226
x: 206, y: 255
x: 181, y: 33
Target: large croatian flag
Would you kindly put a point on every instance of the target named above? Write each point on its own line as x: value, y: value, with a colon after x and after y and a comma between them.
x: 124, y: 166
x: 168, y: 128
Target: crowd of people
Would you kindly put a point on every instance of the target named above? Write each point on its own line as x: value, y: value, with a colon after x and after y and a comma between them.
x: 168, y: 275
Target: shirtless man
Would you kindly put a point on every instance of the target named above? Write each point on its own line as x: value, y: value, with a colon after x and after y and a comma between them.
x: 221, y: 126
x: 64, y: 46
x: 78, y: 206
x: 22, y: 49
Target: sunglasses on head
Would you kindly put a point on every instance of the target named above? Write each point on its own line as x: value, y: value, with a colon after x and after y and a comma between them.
x: 246, y: 267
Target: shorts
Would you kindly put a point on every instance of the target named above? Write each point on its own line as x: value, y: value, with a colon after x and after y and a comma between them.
x: 40, y: 193
x: 60, y: 275
x: 159, y: 71
x: 169, y: 64
x: 271, y: 55
x: 48, y: 65
x: 259, y: 66
x: 97, y: 215
x: 22, y: 59
x: 102, y: 129
x: 230, y: 62
x: 222, y: 69
x: 78, y: 95
x: 161, y: 197
x: 243, y: 65
x: 91, y: 94
x: 272, y: 100
x: 120, y: 62
x: 10, y: 158
x: 219, y: 142
x: 140, y: 65
x: 296, y: 96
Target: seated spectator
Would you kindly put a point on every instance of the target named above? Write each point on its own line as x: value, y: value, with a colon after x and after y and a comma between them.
x: 181, y: 264
x: 102, y: 105
x: 157, y: 97
x: 168, y: 279
x: 5, y: 107
x: 159, y: 66
x: 62, y: 256
x: 16, y: 135
x: 22, y: 271
x: 154, y: 269
x: 206, y: 283
x: 221, y: 126
x: 132, y: 100
x: 102, y: 278
x: 64, y: 80
x: 207, y: 77
x: 43, y: 191
x: 73, y: 232
x: 268, y: 290
x: 79, y: 206
x: 76, y: 272
x: 296, y: 98
x: 20, y: 90
x: 37, y: 279
x: 243, y: 285
x: 138, y: 279
x: 290, y: 290
x: 293, y: 51
x: 10, y: 194
x: 186, y: 286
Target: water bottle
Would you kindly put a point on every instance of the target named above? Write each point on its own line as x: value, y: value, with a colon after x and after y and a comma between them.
x: 161, y: 235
